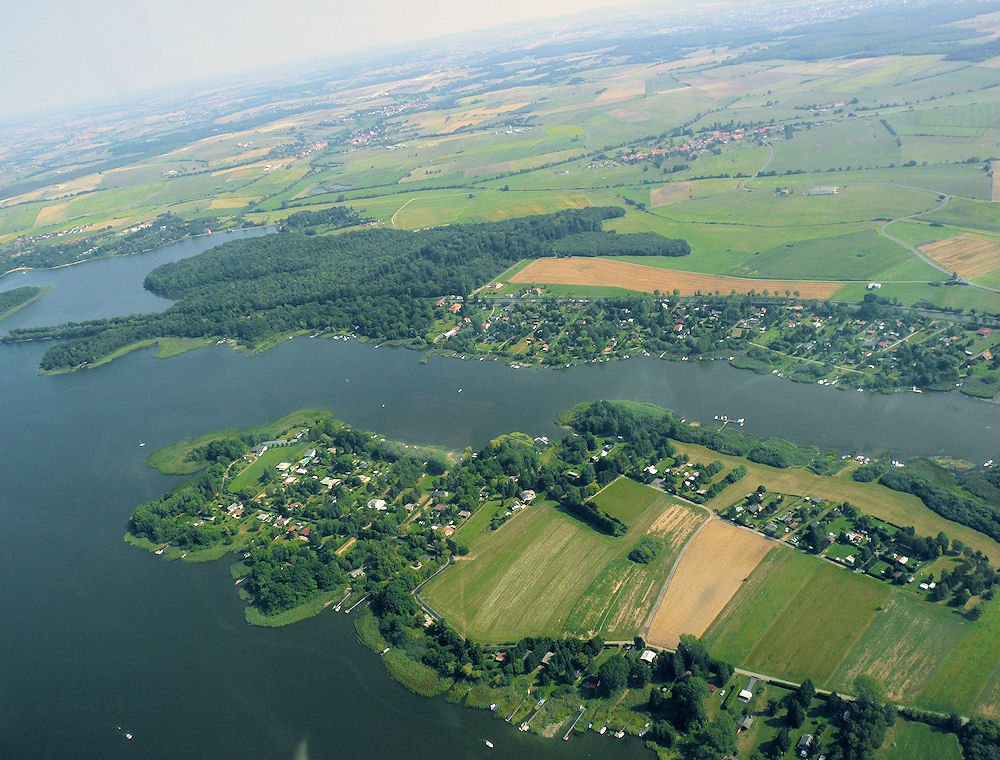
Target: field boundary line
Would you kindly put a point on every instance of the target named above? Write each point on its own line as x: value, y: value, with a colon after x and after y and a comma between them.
x: 644, y: 631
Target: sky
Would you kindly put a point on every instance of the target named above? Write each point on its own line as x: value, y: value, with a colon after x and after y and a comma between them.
x: 55, y: 53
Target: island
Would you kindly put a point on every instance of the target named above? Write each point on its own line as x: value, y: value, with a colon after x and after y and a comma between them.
x: 692, y: 585
x: 14, y: 300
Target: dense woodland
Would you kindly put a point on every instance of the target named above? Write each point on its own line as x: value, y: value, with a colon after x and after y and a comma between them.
x: 375, y: 282
x: 12, y: 299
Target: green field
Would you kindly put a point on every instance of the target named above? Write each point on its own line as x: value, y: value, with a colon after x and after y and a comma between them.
x: 799, y: 617
x: 528, y: 576
x: 907, y: 740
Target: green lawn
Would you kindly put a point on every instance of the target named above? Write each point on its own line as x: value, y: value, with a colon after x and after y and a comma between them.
x: 249, y: 477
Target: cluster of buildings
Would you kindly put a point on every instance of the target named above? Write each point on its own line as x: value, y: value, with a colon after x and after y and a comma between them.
x: 696, y: 144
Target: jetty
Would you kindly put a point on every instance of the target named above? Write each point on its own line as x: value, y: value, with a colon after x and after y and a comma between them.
x: 573, y: 724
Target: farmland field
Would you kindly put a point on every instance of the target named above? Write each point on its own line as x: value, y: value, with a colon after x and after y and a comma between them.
x: 871, y: 498
x: 812, y: 633
x: 969, y: 256
x: 903, y: 647
x: 907, y: 740
x: 713, y: 567
x: 672, y: 193
x: 527, y: 577
x: 618, y: 602
x: 645, y: 279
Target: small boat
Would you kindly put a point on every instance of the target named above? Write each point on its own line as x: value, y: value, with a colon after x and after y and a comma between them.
x: 128, y: 736
x: 603, y: 729
x: 459, y: 390
x: 141, y: 444
x: 489, y: 744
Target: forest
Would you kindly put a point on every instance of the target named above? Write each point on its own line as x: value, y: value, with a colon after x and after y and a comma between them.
x: 374, y: 282
x: 12, y: 300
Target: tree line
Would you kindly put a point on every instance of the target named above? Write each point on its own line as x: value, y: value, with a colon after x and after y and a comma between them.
x: 374, y: 282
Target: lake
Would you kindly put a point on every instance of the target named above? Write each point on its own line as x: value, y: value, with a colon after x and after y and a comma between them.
x: 97, y: 634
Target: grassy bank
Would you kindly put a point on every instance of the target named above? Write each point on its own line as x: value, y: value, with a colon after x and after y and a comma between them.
x: 313, y: 607
x: 173, y: 459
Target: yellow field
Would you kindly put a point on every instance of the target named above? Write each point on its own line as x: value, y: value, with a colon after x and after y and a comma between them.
x: 672, y: 193
x: 53, y: 214
x: 645, y: 279
x: 229, y: 202
x: 713, y: 568
x: 968, y: 255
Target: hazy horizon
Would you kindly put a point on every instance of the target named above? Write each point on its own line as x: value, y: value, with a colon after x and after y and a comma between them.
x: 60, y: 54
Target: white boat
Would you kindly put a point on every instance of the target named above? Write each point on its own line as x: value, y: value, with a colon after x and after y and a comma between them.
x: 603, y: 729
x: 141, y: 444
x: 489, y: 744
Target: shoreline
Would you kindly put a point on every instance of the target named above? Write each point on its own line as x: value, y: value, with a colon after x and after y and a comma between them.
x: 127, y: 255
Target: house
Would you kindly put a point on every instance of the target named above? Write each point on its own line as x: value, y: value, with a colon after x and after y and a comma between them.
x: 527, y: 496
x: 379, y: 504
x: 747, y: 722
x: 647, y: 656
x: 804, y: 744
x: 465, y: 514
x: 745, y: 695
x: 258, y: 450
x: 358, y: 572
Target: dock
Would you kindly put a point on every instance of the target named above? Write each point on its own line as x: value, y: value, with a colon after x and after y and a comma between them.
x: 341, y: 602
x: 573, y: 724
x: 527, y: 723
x: 355, y: 605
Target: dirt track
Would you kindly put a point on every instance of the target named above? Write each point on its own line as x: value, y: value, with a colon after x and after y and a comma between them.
x: 646, y: 279
x: 711, y: 571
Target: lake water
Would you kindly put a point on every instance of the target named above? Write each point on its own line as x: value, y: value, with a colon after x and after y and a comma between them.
x: 96, y: 634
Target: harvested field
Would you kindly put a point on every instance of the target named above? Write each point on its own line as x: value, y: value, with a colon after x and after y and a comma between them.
x: 646, y: 279
x: 543, y: 571
x: 54, y: 214
x: 710, y: 572
x: 672, y: 193
x: 968, y: 255
x: 229, y: 202
x: 619, y: 601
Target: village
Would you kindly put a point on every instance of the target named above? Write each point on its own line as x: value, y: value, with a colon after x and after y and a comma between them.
x: 880, y: 348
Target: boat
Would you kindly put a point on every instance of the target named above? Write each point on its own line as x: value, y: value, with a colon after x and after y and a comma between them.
x: 141, y: 444
x: 603, y: 729
x: 489, y: 744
